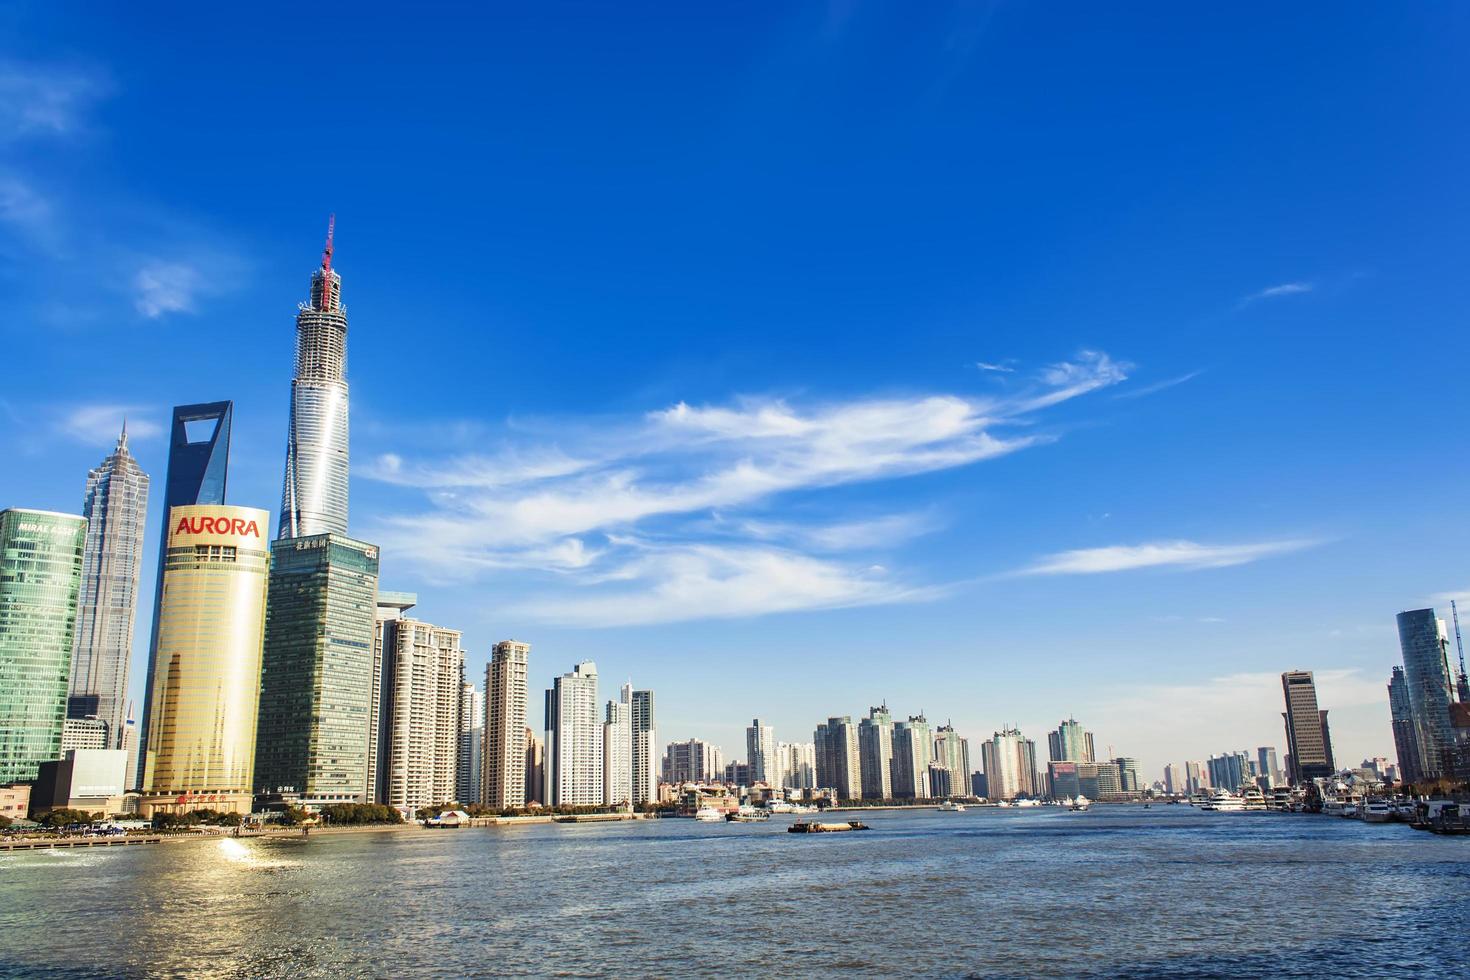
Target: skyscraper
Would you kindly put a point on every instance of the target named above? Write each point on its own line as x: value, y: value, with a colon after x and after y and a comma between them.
x: 913, y: 748
x: 115, y: 507
x: 505, y: 725
x: 1071, y: 743
x: 645, y: 741
x: 314, y: 490
x: 316, y: 689
x: 1405, y: 732
x: 574, y: 739
x: 617, y: 752
x: 1431, y: 685
x: 1306, y: 729
x: 40, y: 577
x: 1266, y: 764
x: 875, y: 753
x: 798, y: 764
x: 953, y: 753
x: 1010, y: 765
x: 760, y: 753
x: 1175, y: 783
x: 200, y: 751
x: 469, y: 776
x: 418, y: 669
x: 839, y: 766
x: 198, y: 470
x: 694, y: 761
x: 535, y: 768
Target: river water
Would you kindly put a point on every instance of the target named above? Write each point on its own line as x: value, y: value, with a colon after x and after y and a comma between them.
x: 1119, y: 891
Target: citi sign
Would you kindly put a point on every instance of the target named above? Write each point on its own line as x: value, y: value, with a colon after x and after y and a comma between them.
x: 218, y: 525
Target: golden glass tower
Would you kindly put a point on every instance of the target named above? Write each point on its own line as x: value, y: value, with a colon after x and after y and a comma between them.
x: 206, y: 681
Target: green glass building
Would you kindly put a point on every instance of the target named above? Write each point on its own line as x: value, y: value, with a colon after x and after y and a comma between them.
x: 317, y: 672
x: 40, y: 575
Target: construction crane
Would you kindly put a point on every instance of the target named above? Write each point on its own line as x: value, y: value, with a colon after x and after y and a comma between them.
x: 1464, y: 685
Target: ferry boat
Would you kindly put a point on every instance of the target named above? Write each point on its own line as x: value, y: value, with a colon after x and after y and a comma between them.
x: 1253, y: 799
x: 1375, y: 811
x: 1028, y: 803
x: 748, y: 814
x: 1223, y: 801
x: 950, y: 806
x: 781, y: 806
x: 709, y: 814
x: 1079, y: 804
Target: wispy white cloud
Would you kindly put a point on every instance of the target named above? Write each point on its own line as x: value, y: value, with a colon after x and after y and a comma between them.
x: 47, y: 100
x: 1275, y: 292
x: 1158, y: 386
x: 166, y: 287
x: 682, y: 483
x: 1004, y: 367
x: 99, y: 424
x: 1159, y: 554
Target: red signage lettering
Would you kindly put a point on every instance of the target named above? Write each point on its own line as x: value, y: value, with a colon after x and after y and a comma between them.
x: 217, y: 525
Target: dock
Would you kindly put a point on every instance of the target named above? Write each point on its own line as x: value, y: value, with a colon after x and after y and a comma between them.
x: 45, y: 843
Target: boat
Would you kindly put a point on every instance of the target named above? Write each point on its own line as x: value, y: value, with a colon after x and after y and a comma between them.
x: 1223, y: 801
x: 781, y: 806
x: 748, y: 814
x: 950, y: 806
x: 1375, y: 811
x: 813, y: 827
x: 1079, y: 804
x: 1253, y: 799
x: 709, y: 814
x: 1004, y: 803
x: 1028, y: 803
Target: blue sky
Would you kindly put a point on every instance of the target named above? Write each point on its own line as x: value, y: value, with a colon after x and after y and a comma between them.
x: 999, y: 361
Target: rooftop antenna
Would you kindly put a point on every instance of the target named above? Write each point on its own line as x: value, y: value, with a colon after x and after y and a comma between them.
x: 327, y: 252
x: 1464, y: 685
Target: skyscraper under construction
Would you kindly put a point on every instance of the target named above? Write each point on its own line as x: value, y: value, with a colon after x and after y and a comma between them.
x: 314, y: 492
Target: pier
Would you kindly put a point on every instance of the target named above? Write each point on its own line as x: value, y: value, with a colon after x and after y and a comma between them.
x: 43, y: 843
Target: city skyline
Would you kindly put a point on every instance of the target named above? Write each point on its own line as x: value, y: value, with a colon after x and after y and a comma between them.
x: 1144, y: 452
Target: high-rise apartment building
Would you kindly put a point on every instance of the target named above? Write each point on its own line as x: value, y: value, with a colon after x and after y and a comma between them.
x: 760, y: 753
x: 418, y: 671
x: 535, y: 768
x: 1405, y: 731
x: 1306, y: 729
x: 115, y: 507
x: 314, y: 490
x: 644, y: 726
x: 574, y: 739
x: 839, y: 765
x: 316, y: 688
x: 1071, y: 743
x: 1175, y: 783
x: 200, y: 751
x: 1267, y: 766
x: 469, y: 776
x: 913, y: 751
x: 875, y: 753
x: 952, y: 752
x: 1197, y: 777
x: 694, y: 761
x: 799, y: 764
x: 40, y: 578
x: 504, y: 756
x: 1431, y: 687
x: 198, y: 471
x: 1009, y: 759
x: 617, y: 752
x: 1229, y: 770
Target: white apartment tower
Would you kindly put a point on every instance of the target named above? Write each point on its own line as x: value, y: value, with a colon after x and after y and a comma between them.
x: 760, y: 753
x: 644, y: 730
x: 574, y: 739
x: 505, y: 724
x: 617, y: 753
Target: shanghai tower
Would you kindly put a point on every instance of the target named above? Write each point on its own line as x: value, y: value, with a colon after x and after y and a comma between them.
x: 314, y: 492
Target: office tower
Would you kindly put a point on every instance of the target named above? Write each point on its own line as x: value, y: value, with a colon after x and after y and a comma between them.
x: 617, y: 753
x: 737, y: 774
x: 314, y: 490
x: 200, y: 751
x: 40, y: 578
x: 574, y: 739
x: 90, y: 732
x: 418, y: 672
x: 1128, y: 781
x: 1010, y: 765
x: 535, y: 768
x: 469, y: 776
x: 1230, y: 770
x: 645, y: 742
x: 1196, y: 777
x: 875, y: 754
x: 953, y: 753
x: 1266, y: 764
x: 839, y: 766
x: 799, y: 764
x: 316, y: 688
x: 760, y: 753
x: 504, y: 753
x: 1306, y: 729
x: 913, y: 750
x: 198, y: 470
x: 115, y: 507
x: 1070, y: 743
x: 694, y: 761
x: 1431, y: 685
x: 1175, y: 783
x: 1405, y: 732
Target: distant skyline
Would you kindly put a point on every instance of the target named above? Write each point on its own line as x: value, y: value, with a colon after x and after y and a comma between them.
x: 987, y: 363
